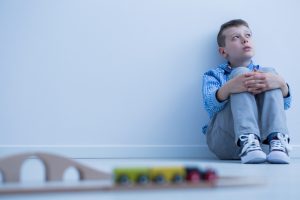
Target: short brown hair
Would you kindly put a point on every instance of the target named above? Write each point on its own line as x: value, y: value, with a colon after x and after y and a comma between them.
x: 229, y: 24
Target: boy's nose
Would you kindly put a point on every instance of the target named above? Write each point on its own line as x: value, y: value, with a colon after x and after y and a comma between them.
x: 245, y: 40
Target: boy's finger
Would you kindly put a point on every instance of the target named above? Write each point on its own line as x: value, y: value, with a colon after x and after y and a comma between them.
x: 260, y: 76
x: 249, y: 74
x: 256, y: 87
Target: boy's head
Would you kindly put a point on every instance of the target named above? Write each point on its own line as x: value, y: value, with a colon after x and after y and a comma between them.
x: 235, y: 41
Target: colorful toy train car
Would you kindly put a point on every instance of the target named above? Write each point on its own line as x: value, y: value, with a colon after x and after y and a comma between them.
x: 162, y: 175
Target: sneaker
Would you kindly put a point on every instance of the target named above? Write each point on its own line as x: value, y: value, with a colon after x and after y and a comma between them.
x: 279, y: 150
x: 251, y: 152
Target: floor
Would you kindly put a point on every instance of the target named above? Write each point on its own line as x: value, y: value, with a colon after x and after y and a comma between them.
x: 280, y: 181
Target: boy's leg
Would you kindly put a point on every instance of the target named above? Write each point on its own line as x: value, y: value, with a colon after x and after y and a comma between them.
x: 271, y: 111
x: 220, y: 135
x: 273, y: 124
x: 239, y: 117
x: 246, y: 128
x: 244, y: 109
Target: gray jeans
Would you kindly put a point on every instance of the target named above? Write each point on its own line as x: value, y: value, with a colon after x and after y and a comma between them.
x: 245, y: 113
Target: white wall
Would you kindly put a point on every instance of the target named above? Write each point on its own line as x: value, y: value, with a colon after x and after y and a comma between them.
x: 122, y: 78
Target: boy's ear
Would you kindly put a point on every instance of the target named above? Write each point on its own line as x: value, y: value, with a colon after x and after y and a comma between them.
x: 222, y: 52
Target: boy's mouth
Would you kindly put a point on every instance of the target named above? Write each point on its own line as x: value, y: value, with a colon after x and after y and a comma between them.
x: 247, y: 48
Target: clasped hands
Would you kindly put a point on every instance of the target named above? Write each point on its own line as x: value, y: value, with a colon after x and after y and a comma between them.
x: 257, y: 82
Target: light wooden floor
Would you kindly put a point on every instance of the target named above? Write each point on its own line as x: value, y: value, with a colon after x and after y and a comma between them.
x: 281, y: 181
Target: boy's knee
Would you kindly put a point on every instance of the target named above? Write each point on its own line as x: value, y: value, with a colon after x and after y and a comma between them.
x: 238, y: 71
x: 268, y: 70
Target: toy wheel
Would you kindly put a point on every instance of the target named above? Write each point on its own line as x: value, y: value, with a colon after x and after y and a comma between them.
x: 124, y: 180
x: 210, y: 175
x: 143, y: 179
x: 195, y: 177
x: 159, y: 179
x: 177, y: 178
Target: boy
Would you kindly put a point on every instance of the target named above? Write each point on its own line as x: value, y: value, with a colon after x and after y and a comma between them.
x: 245, y: 102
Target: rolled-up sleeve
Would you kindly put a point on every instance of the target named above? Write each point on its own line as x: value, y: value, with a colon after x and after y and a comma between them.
x: 210, y: 86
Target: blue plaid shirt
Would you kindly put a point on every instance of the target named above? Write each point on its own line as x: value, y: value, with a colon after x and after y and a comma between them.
x: 215, y: 79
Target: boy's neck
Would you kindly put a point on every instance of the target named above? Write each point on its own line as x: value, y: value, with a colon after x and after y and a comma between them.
x: 240, y: 64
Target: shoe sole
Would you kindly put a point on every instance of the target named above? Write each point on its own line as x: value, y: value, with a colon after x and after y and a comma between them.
x: 254, y: 161
x: 254, y: 157
x: 278, y: 161
x: 278, y: 157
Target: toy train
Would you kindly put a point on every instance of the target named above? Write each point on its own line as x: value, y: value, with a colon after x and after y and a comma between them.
x: 163, y: 175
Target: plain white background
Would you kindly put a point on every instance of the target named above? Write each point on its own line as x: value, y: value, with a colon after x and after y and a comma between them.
x: 122, y: 78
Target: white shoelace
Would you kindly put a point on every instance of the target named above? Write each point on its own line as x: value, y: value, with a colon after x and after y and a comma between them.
x: 281, y: 144
x: 250, y: 143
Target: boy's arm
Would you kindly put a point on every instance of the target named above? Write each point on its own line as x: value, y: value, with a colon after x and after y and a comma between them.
x: 224, y: 92
x: 210, y: 86
x: 284, y: 89
x: 288, y: 99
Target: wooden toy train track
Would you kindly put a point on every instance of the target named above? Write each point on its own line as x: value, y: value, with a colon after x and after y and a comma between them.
x: 121, y: 179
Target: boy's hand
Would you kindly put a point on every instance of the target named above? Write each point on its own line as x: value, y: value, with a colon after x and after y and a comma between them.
x: 235, y: 85
x: 259, y: 82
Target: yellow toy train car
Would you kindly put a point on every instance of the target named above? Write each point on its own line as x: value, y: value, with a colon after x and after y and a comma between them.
x: 162, y: 175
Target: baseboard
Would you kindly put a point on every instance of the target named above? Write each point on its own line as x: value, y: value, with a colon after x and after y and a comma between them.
x: 121, y: 151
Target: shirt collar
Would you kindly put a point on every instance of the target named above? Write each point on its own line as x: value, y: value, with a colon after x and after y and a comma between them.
x: 226, y: 67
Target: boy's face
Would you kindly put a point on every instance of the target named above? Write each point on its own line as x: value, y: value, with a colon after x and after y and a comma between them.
x: 238, y: 44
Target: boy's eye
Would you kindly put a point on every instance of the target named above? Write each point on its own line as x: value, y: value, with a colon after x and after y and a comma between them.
x: 235, y: 37
x: 248, y: 35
